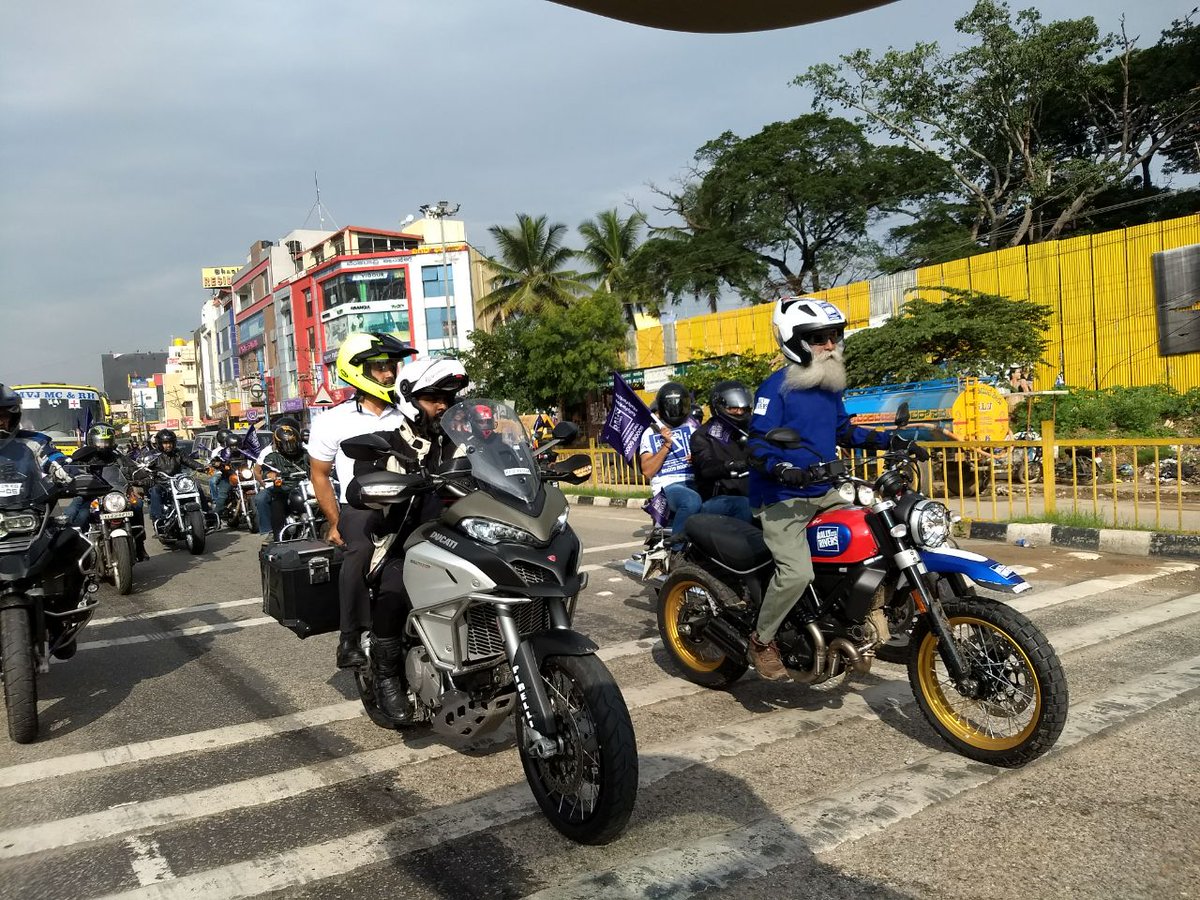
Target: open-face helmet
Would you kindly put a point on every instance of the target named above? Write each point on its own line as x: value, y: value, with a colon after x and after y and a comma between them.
x: 361, y: 349
x: 799, y: 321
x: 430, y: 378
x: 731, y: 401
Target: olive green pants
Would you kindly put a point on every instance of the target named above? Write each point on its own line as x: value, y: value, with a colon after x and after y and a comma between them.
x: 784, y: 526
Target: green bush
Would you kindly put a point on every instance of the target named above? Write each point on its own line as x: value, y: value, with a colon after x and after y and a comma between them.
x: 1135, y: 411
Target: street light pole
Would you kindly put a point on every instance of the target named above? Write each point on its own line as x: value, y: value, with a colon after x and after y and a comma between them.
x: 439, y: 211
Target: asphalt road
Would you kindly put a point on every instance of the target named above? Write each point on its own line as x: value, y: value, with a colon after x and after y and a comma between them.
x: 192, y: 749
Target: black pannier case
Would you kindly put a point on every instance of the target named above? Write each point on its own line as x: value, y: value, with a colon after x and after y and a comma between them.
x: 300, y: 585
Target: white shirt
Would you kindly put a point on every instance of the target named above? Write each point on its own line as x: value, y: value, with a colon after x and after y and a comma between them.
x: 676, y: 467
x: 348, y: 420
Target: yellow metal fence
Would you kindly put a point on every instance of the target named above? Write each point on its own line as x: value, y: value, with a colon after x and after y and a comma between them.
x: 1118, y: 483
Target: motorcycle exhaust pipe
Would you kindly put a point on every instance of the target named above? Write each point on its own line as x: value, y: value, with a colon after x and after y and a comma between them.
x: 726, y: 638
x: 816, y: 674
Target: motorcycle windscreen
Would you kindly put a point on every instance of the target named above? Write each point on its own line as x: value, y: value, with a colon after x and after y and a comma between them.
x: 22, y: 483
x: 490, y: 436
x: 980, y: 569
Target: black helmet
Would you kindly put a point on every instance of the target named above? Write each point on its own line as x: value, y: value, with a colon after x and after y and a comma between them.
x: 226, y: 438
x: 101, y: 437
x: 674, y: 403
x: 10, y: 403
x: 287, y: 439
x: 697, y: 414
x: 164, y: 441
x: 731, y: 401
x: 304, y: 435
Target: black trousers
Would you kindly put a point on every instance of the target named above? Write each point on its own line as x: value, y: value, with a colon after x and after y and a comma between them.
x: 355, y: 526
x: 392, y: 604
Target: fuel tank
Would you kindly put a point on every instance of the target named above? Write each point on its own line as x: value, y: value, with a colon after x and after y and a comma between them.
x: 841, y: 536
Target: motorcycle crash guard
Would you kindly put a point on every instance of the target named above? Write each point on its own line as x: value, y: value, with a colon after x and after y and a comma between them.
x: 535, y: 703
x: 979, y: 569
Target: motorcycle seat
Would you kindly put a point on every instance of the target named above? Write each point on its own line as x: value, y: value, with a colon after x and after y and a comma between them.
x: 732, y: 543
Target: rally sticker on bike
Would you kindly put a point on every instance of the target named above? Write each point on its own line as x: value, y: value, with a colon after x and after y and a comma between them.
x: 517, y: 471
x: 760, y: 406
x: 1003, y: 571
x: 829, y: 539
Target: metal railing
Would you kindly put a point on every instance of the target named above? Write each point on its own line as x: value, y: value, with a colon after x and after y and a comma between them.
x: 1111, y: 483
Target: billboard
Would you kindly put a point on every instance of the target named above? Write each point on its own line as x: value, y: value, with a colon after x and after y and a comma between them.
x: 218, y: 276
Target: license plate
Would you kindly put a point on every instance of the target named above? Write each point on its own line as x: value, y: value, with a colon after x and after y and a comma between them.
x: 121, y: 515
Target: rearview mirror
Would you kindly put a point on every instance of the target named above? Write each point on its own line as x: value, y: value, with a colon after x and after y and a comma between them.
x: 375, y: 490
x: 788, y: 438
x: 575, y: 469
x: 902, y: 414
x: 565, y: 432
x: 367, y: 447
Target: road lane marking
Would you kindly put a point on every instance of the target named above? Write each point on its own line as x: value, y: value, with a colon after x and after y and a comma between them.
x: 178, y: 611
x: 1124, y: 624
x: 24, y: 840
x: 614, y: 547
x: 190, y: 631
x: 798, y: 832
x: 149, y: 865
x: 863, y: 809
x: 1084, y: 589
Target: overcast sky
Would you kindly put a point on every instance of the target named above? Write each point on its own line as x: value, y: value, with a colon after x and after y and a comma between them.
x: 140, y: 141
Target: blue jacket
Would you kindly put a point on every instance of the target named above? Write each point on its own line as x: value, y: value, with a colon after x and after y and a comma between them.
x: 42, y: 447
x: 821, y: 420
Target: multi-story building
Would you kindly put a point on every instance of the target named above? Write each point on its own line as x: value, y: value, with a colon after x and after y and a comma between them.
x: 180, y: 387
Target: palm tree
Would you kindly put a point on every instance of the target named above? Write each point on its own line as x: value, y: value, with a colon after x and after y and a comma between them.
x: 609, y: 241
x: 530, y: 274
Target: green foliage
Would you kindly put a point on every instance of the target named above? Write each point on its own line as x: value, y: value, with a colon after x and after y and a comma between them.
x: 552, y: 359
x: 530, y: 274
x: 966, y: 333
x: 752, y: 369
x: 1133, y: 411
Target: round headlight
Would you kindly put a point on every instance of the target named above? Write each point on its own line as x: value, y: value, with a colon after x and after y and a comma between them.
x: 247, y: 474
x: 866, y: 495
x: 929, y: 523
x: 847, y: 492
x: 184, y: 485
x: 114, y: 501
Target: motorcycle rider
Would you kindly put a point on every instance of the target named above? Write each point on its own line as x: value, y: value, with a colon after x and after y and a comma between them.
x: 288, y: 459
x: 427, y: 389
x: 367, y: 361
x: 806, y: 396
x: 168, y: 461
x: 49, y: 456
x: 666, y: 457
x: 228, y: 454
x: 98, y: 453
x: 719, y: 455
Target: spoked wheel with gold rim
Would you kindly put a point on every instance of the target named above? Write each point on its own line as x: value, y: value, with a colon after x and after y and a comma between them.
x: 685, y: 603
x: 1014, y: 707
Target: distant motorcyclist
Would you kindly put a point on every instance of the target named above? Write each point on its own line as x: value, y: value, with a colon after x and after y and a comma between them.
x: 227, y: 455
x: 287, y: 460
x: 720, y: 459
x: 99, y: 453
x: 50, y: 458
x: 167, y: 461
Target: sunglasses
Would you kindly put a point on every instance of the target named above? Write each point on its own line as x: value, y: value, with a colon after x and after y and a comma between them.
x: 831, y: 336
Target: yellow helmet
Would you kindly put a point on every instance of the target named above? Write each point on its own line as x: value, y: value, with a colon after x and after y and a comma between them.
x: 362, y: 347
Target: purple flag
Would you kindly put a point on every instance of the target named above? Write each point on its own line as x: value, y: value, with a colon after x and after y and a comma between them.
x: 251, y: 445
x: 656, y: 507
x: 627, y: 421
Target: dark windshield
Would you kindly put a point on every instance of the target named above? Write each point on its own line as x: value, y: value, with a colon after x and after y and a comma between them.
x: 491, y: 435
x: 21, y: 481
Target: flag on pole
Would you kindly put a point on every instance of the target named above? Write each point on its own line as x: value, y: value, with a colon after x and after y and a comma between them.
x: 251, y: 445
x: 627, y: 421
x: 656, y: 507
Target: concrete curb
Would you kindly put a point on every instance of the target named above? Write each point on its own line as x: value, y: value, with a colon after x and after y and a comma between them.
x: 589, y: 500
x: 1103, y: 540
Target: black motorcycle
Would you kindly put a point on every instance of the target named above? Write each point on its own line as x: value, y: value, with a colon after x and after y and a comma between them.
x: 113, y: 527
x: 47, y: 579
x: 183, y: 521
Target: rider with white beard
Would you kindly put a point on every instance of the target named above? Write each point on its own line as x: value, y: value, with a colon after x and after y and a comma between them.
x: 806, y: 396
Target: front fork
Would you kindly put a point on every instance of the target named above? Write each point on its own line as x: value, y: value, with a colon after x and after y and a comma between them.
x: 535, y: 709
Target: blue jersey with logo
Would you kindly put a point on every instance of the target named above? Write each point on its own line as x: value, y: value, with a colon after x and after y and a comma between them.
x: 677, y: 467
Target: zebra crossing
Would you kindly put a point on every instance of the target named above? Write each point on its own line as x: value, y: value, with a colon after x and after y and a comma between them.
x: 735, y: 785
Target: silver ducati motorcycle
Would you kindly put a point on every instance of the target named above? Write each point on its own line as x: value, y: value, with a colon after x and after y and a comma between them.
x: 493, y: 582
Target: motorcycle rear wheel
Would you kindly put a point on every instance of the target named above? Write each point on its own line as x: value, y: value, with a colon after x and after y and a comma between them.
x: 587, y: 791
x: 683, y: 597
x: 122, y: 549
x: 195, y: 532
x: 1023, y: 704
x: 20, y: 677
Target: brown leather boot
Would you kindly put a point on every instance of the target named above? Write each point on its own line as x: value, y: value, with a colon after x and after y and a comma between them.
x: 766, y: 659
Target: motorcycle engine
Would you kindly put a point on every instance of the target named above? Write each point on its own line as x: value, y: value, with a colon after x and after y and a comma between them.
x: 424, y: 679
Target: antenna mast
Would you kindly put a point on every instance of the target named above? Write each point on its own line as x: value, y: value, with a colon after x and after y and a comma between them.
x: 319, y: 208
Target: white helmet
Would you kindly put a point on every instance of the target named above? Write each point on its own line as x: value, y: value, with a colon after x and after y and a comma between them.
x: 444, y: 376
x: 797, y: 317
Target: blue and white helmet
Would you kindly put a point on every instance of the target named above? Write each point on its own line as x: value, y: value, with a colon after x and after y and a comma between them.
x: 796, y: 318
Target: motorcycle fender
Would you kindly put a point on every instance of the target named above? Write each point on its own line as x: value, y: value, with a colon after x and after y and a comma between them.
x: 118, y: 532
x: 980, y: 569
x: 189, y: 507
x: 560, y: 642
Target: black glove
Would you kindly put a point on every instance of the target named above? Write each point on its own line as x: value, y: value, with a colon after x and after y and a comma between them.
x: 786, y: 473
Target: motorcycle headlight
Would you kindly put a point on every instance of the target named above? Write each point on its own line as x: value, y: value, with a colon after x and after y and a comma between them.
x: 18, y: 523
x: 114, y: 501
x: 184, y: 484
x: 929, y: 523
x: 492, y: 532
x: 247, y: 474
x: 866, y: 495
x: 561, y: 522
x: 847, y: 492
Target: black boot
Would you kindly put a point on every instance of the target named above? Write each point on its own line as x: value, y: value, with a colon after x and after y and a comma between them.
x: 391, y: 693
x: 349, y: 652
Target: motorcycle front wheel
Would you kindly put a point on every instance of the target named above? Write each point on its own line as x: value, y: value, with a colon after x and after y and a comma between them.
x: 683, y: 604
x: 1019, y: 706
x: 122, y: 552
x: 20, y: 678
x: 195, y: 532
x: 587, y: 790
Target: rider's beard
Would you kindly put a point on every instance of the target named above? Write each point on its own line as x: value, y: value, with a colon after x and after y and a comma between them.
x: 827, y: 371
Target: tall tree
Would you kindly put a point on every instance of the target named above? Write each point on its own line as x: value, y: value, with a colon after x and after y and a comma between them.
x: 982, y: 110
x: 953, y: 332
x: 609, y: 244
x: 786, y: 210
x: 531, y: 274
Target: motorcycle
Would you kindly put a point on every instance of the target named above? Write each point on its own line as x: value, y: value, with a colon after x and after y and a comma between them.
x: 493, y: 582
x: 113, y: 532
x: 239, y: 508
x: 304, y: 520
x: 184, y: 521
x: 888, y: 585
x: 47, y: 580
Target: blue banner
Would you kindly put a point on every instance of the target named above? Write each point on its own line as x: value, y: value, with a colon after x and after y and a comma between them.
x: 656, y: 507
x: 251, y: 445
x: 627, y: 421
